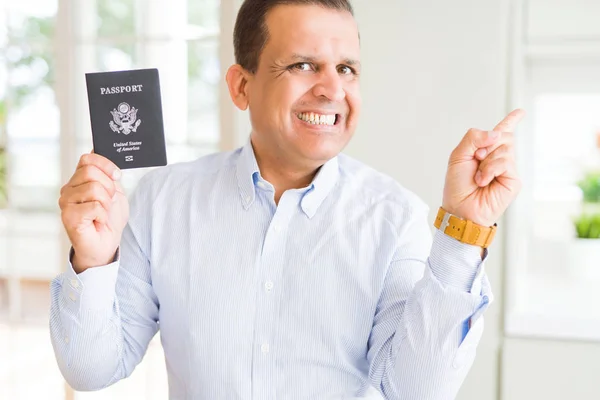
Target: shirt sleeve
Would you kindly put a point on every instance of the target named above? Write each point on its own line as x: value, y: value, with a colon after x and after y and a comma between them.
x: 428, y: 319
x: 102, y: 320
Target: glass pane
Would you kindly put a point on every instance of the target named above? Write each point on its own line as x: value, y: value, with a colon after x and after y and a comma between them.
x: 28, y: 53
x: 36, y: 234
x: 34, y: 174
x: 204, y: 128
x: 566, y: 144
x: 33, y: 114
x: 116, y: 18
x: 31, y: 19
x: 204, y: 14
x: 29, y: 116
x: 34, y: 162
x: 28, y: 104
x: 566, y: 148
x: 203, y: 92
x: 116, y: 57
x: 154, y: 19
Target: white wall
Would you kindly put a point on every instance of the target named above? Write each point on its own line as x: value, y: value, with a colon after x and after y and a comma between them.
x: 550, y: 370
x: 431, y: 70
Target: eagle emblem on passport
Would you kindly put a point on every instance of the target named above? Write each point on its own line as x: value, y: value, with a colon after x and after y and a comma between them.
x: 124, y: 119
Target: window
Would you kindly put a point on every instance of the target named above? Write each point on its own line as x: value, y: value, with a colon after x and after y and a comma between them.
x: 565, y: 99
x: 29, y: 117
x: 46, y: 47
x: 556, y: 76
x: 181, y: 39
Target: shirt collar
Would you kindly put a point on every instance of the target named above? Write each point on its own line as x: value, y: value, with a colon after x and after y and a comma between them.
x: 246, y: 169
x: 320, y: 187
x: 247, y: 173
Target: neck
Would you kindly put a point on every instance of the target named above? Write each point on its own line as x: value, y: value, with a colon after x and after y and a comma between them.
x: 282, y: 174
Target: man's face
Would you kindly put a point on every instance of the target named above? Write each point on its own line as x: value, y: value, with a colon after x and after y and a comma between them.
x: 304, y: 99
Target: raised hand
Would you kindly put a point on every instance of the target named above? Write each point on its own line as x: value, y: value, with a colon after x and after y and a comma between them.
x: 482, y: 178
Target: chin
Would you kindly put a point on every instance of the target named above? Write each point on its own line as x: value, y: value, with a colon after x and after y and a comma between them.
x: 321, y: 152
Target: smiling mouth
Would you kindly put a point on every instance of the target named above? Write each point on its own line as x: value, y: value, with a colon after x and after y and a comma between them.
x: 319, y: 119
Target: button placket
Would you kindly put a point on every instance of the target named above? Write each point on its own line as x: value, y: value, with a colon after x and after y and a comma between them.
x: 270, y: 269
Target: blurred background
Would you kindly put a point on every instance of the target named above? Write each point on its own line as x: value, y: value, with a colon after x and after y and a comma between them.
x: 432, y: 69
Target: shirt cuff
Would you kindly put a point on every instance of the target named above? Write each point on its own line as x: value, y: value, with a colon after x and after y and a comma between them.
x: 93, y: 289
x: 457, y: 264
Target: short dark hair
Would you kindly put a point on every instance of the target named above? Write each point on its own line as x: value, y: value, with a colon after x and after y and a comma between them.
x: 250, y: 34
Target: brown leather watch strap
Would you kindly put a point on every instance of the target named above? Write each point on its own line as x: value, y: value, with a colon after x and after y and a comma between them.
x: 464, y: 230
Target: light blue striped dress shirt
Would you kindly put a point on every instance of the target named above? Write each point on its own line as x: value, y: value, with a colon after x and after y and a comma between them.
x: 337, y: 288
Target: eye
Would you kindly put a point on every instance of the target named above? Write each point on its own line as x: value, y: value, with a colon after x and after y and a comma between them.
x: 303, y: 66
x: 346, y: 70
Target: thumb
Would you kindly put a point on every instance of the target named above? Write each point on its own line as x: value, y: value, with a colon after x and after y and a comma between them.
x: 476, y: 139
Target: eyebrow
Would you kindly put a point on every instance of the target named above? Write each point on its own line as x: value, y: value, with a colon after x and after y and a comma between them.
x: 303, y: 58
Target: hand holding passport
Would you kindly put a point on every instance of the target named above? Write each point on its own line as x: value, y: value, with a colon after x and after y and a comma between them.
x: 126, y: 117
x: 127, y: 130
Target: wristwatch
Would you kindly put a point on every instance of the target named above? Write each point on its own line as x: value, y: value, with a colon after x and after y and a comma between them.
x: 463, y: 230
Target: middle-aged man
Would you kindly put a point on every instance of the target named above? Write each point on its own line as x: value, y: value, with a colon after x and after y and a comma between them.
x: 283, y: 269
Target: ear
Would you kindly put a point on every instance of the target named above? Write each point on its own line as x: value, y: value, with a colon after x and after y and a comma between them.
x: 237, y: 82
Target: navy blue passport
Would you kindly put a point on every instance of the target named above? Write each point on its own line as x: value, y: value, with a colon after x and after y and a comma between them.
x: 126, y: 117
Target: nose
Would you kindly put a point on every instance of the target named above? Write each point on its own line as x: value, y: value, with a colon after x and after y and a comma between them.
x: 330, y: 85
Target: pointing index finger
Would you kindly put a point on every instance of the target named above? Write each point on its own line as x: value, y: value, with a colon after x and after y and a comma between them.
x: 509, y: 123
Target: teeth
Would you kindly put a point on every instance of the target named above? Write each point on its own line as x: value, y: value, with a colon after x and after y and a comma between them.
x: 317, y: 119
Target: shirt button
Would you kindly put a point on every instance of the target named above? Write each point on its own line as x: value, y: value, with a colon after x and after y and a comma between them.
x: 72, y: 296
x: 264, y: 348
x: 248, y: 199
x: 268, y: 286
x: 275, y: 228
x: 75, y: 283
x: 66, y: 339
x: 262, y: 185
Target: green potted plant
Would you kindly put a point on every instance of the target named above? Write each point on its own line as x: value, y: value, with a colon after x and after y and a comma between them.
x: 590, y: 188
x: 584, y: 252
x: 587, y: 226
